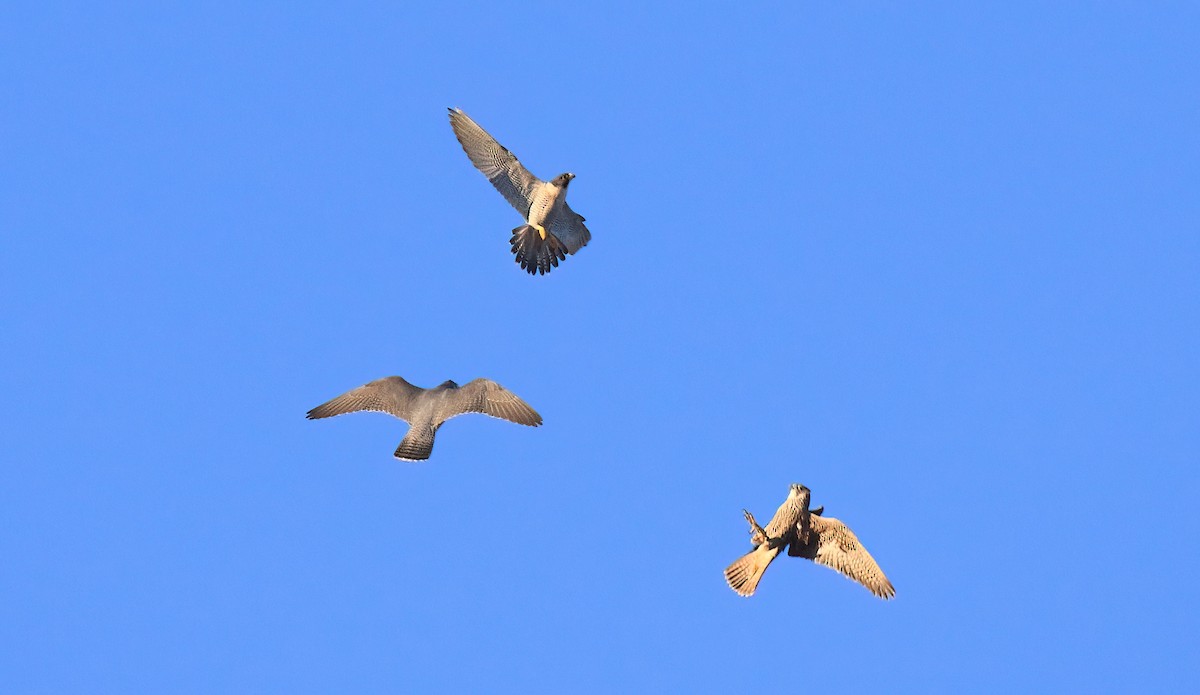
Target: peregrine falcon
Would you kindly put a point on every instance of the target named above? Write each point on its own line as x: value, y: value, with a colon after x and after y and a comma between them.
x: 552, y: 229
x: 805, y: 533
x: 426, y: 409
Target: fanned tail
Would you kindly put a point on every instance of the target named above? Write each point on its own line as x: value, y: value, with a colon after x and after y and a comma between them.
x: 417, y: 445
x: 745, y: 572
x: 535, y: 254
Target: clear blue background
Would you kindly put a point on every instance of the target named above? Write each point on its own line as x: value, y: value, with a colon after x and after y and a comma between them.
x: 941, y: 263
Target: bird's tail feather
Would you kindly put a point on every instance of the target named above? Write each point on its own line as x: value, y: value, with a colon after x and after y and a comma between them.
x: 745, y: 572
x: 535, y: 254
x: 417, y: 445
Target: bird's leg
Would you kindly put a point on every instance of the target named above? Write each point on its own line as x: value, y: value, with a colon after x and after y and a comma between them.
x: 758, y: 535
x: 540, y: 230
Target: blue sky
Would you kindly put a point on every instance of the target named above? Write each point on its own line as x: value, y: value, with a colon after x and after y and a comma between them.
x: 940, y: 263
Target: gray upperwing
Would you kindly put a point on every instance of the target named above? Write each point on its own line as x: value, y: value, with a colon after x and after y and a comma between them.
x: 487, y: 397
x: 499, y: 165
x: 392, y: 395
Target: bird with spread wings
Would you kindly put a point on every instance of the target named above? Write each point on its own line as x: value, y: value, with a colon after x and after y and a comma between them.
x: 426, y: 409
x: 805, y: 533
x: 552, y: 229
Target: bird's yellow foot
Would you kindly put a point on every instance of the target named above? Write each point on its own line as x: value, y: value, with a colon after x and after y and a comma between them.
x: 541, y: 230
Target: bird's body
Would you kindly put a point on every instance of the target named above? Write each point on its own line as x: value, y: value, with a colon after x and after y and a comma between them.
x: 552, y: 230
x: 805, y: 533
x: 744, y: 574
x: 425, y: 410
x: 545, y: 204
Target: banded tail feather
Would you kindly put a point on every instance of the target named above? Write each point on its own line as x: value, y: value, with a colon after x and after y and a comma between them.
x: 535, y: 254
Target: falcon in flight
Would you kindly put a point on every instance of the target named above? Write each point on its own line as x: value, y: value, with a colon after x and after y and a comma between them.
x: 426, y: 409
x: 552, y: 229
x: 805, y: 533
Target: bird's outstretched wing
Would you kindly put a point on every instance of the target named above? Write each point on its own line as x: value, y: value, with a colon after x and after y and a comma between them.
x: 838, y: 547
x: 487, y: 397
x: 392, y: 395
x: 568, y: 226
x: 501, y: 167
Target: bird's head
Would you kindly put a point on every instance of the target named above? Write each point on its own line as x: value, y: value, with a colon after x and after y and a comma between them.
x: 798, y: 490
x: 563, y: 179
